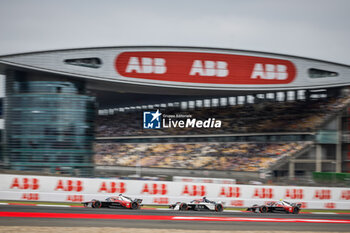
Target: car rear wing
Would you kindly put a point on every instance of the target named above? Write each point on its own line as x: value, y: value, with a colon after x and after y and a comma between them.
x: 297, y: 205
x: 138, y: 200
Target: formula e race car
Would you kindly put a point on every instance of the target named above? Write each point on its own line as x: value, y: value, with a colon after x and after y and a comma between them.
x: 276, y: 207
x: 198, y: 204
x: 120, y: 201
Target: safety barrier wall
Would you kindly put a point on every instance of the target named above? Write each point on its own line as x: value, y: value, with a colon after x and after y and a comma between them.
x: 63, y: 189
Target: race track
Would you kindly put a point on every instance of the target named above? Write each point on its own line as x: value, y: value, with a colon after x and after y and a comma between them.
x: 168, y: 219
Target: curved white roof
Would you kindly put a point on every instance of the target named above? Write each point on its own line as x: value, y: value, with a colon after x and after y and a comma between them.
x: 180, y: 70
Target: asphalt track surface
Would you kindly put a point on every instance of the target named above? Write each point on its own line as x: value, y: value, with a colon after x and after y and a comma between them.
x: 71, y: 217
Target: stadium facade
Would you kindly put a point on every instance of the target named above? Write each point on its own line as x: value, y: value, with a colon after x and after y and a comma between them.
x: 50, y: 106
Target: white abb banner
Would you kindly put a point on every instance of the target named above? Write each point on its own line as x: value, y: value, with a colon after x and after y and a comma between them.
x: 66, y: 189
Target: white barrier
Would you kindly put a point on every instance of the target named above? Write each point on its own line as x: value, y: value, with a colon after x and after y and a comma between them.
x: 62, y: 189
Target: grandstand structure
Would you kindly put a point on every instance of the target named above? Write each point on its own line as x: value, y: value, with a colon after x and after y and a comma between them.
x: 303, y: 136
x: 80, y: 112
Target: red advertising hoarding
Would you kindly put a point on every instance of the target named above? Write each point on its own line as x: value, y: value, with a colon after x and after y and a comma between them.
x: 205, y: 68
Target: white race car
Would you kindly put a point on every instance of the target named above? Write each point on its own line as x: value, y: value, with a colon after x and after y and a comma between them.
x: 198, y: 204
x: 120, y: 201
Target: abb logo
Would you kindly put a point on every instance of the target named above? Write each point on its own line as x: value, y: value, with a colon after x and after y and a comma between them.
x: 112, y: 187
x: 329, y: 205
x: 69, y: 185
x: 25, y: 183
x: 75, y: 198
x: 345, y: 195
x: 209, y: 68
x: 269, y: 72
x: 263, y: 193
x: 323, y: 194
x: 155, y: 189
x: 230, y: 192
x: 237, y: 203
x: 194, y: 190
x: 30, y: 196
x: 146, y: 65
x: 204, y: 68
x: 161, y: 200
x: 294, y: 194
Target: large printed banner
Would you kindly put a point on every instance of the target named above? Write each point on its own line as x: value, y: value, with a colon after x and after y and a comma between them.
x: 66, y: 189
x: 200, y: 67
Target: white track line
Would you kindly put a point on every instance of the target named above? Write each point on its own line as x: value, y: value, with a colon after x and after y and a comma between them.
x: 53, y: 205
x: 323, y: 213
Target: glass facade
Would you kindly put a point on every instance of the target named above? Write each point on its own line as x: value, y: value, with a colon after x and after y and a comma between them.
x: 327, y: 137
x: 49, y: 125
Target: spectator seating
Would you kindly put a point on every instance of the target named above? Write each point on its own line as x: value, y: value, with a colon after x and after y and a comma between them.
x: 208, y: 156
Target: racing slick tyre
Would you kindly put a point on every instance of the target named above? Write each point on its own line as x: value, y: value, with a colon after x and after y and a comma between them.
x: 96, y: 204
x: 134, y: 205
x: 254, y: 209
x: 219, y: 208
x: 183, y: 206
x: 296, y: 210
x: 263, y: 209
x: 93, y: 203
x: 85, y: 205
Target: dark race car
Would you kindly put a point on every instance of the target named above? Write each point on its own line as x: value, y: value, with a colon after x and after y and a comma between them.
x: 198, y: 204
x: 120, y: 201
x: 276, y: 207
